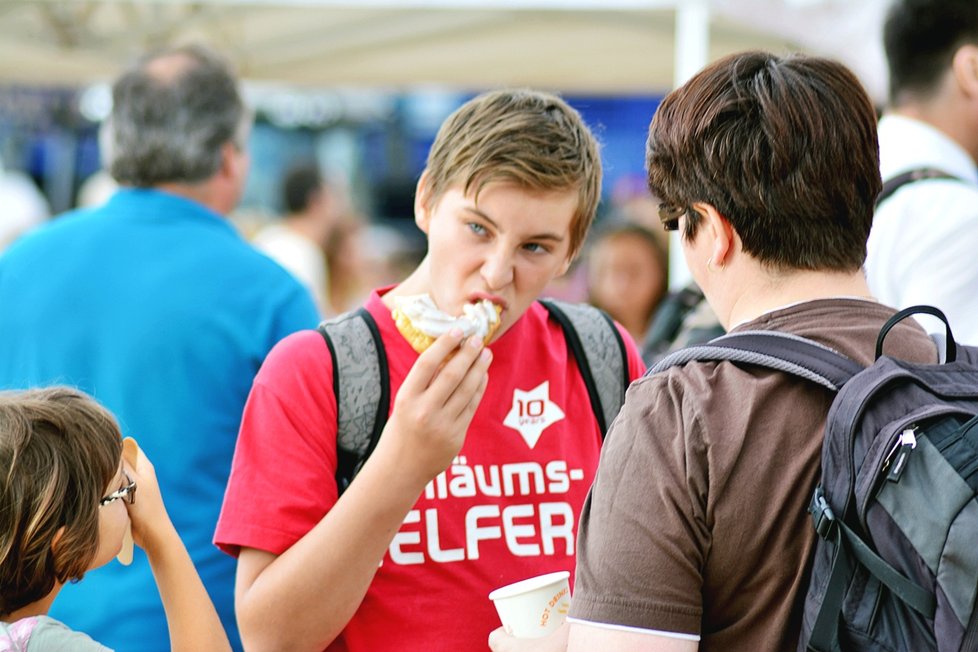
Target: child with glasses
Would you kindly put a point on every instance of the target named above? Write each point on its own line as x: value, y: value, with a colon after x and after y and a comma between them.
x: 67, y: 499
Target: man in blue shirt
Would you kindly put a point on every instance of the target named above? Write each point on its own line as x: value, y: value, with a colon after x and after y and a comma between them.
x: 155, y: 305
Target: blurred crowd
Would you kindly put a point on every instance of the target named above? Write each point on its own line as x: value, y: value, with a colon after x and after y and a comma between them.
x: 339, y: 252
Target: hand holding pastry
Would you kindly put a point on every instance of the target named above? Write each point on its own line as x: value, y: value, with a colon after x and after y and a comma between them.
x: 437, y: 401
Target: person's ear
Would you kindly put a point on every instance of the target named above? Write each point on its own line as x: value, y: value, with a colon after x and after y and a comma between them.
x: 720, y: 231
x: 230, y: 159
x: 964, y: 66
x: 422, y: 203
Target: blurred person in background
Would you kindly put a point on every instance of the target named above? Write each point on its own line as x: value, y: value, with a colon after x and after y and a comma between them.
x: 98, y: 186
x: 627, y: 274
x: 23, y: 205
x: 368, y: 255
x: 346, y: 261
x: 924, y: 237
x: 298, y: 242
x: 96, y: 189
x: 632, y: 201
x: 363, y: 255
x: 155, y: 305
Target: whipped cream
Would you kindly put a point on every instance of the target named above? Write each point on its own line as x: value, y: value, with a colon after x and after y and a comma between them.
x: 476, y: 318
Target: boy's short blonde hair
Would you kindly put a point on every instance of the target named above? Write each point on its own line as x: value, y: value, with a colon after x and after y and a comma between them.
x: 527, y: 137
x: 59, y: 450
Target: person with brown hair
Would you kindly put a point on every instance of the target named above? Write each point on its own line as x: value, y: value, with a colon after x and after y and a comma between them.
x: 67, y: 498
x: 480, y: 473
x: 298, y: 241
x: 627, y: 274
x: 696, y: 533
x: 769, y: 168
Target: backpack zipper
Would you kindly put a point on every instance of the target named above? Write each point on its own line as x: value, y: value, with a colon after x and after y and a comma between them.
x: 866, y: 483
x: 896, y: 460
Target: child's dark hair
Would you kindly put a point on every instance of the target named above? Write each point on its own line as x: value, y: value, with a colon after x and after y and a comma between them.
x: 59, y: 450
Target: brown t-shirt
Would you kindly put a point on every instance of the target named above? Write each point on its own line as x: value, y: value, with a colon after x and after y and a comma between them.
x: 696, y: 522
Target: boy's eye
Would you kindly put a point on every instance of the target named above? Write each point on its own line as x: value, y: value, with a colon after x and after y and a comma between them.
x: 478, y: 229
x: 535, y: 247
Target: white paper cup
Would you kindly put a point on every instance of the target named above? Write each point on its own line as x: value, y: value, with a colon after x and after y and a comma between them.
x: 534, y: 607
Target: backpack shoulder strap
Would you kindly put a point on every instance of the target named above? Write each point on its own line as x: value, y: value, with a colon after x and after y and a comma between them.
x: 774, y: 350
x: 671, y: 314
x: 893, y: 184
x: 361, y: 384
x: 600, y: 353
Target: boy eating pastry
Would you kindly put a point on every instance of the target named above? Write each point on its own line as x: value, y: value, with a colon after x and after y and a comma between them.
x: 480, y: 472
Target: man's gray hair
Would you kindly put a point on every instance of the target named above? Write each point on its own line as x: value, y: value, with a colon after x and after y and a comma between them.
x: 171, y: 115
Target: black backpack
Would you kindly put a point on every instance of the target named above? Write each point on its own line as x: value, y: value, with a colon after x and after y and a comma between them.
x: 895, y: 566
x: 362, y: 385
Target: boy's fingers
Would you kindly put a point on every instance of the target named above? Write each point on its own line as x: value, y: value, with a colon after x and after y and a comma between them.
x: 428, y: 363
x: 469, y: 408
x: 468, y: 392
x: 451, y: 376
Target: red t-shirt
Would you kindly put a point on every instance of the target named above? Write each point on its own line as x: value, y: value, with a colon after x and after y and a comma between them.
x: 505, y: 510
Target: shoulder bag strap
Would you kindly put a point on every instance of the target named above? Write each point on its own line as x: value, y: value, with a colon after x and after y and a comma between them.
x: 361, y: 384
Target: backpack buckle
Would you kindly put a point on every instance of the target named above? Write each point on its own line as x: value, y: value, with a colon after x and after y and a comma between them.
x: 823, y: 518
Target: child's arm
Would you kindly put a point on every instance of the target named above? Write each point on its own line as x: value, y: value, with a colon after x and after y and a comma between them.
x: 302, y: 599
x: 190, y: 614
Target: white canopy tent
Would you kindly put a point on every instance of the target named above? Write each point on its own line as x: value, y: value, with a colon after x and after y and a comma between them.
x: 592, y: 46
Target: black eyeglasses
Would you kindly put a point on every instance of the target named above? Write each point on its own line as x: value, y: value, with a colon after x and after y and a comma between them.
x: 669, y: 214
x: 128, y: 493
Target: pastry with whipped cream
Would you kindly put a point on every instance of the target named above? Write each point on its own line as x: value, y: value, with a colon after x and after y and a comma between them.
x: 421, y: 322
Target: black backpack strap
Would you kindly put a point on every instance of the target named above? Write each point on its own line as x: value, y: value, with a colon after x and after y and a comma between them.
x: 970, y: 641
x: 361, y: 384
x: 596, y: 345
x: 849, y: 546
x: 774, y: 350
x: 893, y: 184
x: 670, y: 315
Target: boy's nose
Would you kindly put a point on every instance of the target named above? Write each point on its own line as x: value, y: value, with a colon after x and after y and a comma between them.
x: 497, y: 270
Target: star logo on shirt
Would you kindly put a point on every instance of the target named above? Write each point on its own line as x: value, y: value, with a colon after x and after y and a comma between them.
x: 532, y: 412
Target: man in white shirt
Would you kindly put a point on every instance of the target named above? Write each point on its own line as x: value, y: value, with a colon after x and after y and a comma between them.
x: 298, y: 242
x: 925, y: 235
x: 24, y: 206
